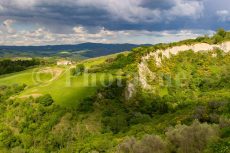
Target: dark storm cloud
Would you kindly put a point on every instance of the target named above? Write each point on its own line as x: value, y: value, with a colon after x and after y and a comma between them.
x: 117, y: 14
x: 156, y: 4
x: 112, y: 14
x: 57, y: 16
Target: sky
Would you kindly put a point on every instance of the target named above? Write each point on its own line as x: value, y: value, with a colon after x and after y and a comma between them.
x: 51, y: 22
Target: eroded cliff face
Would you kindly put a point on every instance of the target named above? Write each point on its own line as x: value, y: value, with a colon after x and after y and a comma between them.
x: 130, y: 91
x: 144, y: 71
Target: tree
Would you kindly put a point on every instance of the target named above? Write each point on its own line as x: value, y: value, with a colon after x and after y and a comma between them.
x: 219, y: 36
x: 72, y: 71
x: 191, y: 139
x: 7, y: 138
x: 221, y: 32
x: 149, y: 144
x: 80, y: 68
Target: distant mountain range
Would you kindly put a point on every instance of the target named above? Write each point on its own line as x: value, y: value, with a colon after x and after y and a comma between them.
x: 86, y: 50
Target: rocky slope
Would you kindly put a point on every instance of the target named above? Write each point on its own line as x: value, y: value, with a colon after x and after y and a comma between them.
x: 158, y: 55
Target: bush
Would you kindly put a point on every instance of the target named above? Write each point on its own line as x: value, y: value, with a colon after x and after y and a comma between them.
x: 121, y: 61
x: 86, y: 105
x: 7, y: 138
x: 221, y: 32
x: 211, y: 111
x: 139, y: 118
x: 219, y: 147
x: 128, y: 146
x: 45, y: 100
x: 72, y: 71
x: 191, y: 139
x: 80, y: 68
x: 115, y: 124
x: 148, y: 144
x: 201, y: 114
x: 217, y: 39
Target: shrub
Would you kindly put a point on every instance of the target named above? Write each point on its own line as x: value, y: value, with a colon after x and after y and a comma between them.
x: 149, y: 144
x: 121, y: 61
x: 115, y: 124
x: 72, y: 71
x: 128, y: 146
x: 201, y: 114
x: 191, y: 139
x: 219, y: 147
x: 45, y: 100
x: 224, y: 122
x: 221, y: 32
x: 80, y: 68
x: 7, y: 138
x: 139, y: 118
x: 211, y: 111
x: 86, y: 105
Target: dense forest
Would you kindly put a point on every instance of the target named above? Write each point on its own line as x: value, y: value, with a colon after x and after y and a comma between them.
x: 10, y: 66
x: 188, y: 112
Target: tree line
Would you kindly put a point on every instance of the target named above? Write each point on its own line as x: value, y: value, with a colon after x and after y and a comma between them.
x: 9, y: 66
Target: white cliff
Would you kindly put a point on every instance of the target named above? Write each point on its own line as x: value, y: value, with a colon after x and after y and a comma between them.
x: 157, y: 55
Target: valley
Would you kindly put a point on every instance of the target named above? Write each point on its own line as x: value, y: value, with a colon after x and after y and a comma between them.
x: 170, y: 98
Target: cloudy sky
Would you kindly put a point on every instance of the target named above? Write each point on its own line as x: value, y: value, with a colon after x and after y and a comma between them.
x: 42, y: 22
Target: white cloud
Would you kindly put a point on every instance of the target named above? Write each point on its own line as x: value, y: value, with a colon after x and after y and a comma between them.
x: 190, y: 8
x: 25, y: 4
x: 42, y: 36
x: 7, y: 26
x: 1, y: 8
x: 79, y: 29
x: 224, y: 15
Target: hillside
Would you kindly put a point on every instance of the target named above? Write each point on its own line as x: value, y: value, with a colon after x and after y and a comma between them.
x: 160, y: 55
x: 85, y: 50
x: 166, y: 98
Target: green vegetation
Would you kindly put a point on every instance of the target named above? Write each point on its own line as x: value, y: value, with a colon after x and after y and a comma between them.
x: 10, y: 66
x: 84, y: 108
x: 178, y: 139
x: 220, y: 36
x: 23, y: 77
x: 80, y: 68
x: 54, y: 80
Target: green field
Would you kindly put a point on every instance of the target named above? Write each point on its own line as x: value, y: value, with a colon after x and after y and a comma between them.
x: 19, y: 78
x: 65, y: 89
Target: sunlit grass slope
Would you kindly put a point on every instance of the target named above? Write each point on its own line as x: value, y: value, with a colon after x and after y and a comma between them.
x: 65, y: 89
x: 69, y: 90
x: 19, y: 78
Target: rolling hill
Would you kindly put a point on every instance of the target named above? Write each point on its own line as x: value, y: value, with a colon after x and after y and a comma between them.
x: 87, y: 50
x: 170, y: 98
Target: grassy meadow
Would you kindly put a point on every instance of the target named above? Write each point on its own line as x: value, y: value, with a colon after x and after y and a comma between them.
x: 66, y: 90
